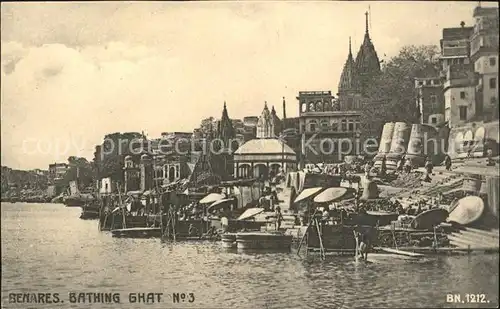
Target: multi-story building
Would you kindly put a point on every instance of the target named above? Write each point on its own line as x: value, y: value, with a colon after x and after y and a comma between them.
x: 334, y: 124
x: 326, y: 131
x: 250, y: 127
x: 430, y: 100
x: 484, y: 54
x: 57, y: 171
x: 457, y: 73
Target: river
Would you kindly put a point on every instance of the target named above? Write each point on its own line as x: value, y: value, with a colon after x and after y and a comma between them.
x: 46, y: 248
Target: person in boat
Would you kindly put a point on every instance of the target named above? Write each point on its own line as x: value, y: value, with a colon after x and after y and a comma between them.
x: 447, y: 162
x: 279, y: 217
x: 192, y: 230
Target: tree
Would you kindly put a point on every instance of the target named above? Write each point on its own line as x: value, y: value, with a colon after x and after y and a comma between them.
x: 392, y: 94
x: 81, y: 170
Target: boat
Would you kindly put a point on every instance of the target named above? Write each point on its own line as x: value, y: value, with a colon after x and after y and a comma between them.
x: 378, y: 217
x: 137, y: 232
x: 429, y: 218
x: 263, y: 240
x: 90, y: 212
x: 467, y: 211
x: 228, y: 240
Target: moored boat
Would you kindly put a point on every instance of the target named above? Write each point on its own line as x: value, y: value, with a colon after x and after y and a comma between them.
x: 429, y: 218
x: 263, y: 240
x: 137, y: 232
x: 228, y: 240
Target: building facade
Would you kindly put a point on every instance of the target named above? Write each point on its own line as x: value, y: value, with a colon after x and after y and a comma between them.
x: 484, y: 55
x: 430, y: 100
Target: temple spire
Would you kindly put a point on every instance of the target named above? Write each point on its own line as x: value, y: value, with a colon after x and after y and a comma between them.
x: 366, y: 14
x: 350, y: 49
x: 284, y: 108
x: 224, y: 104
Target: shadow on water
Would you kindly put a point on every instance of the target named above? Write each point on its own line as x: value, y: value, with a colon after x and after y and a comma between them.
x: 47, y: 248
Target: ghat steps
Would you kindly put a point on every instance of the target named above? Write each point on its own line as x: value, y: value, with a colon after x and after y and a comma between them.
x: 475, y: 238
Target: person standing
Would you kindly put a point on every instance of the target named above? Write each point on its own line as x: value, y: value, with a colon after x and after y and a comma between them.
x: 279, y: 217
x: 447, y: 162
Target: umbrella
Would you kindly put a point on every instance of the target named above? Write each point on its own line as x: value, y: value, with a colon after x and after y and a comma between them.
x: 212, y: 197
x: 220, y: 204
x: 330, y: 195
x: 468, y: 210
x: 306, y: 193
x: 250, y: 213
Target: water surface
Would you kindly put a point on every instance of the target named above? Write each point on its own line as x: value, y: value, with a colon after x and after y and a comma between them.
x: 46, y: 248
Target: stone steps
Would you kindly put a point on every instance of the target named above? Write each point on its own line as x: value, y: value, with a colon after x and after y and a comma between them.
x: 475, y: 238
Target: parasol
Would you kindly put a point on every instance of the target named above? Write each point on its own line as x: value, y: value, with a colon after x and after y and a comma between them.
x: 220, y: 204
x: 212, y: 197
x: 250, y: 213
x: 330, y: 195
x: 306, y: 193
x: 429, y: 218
x: 467, y: 210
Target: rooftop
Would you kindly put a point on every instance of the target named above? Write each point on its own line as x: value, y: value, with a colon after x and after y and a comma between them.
x: 264, y: 146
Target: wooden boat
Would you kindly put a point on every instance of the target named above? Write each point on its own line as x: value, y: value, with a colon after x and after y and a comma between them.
x: 467, y: 211
x: 263, y: 240
x: 137, y: 232
x: 330, y: 195
x: 429, y: 218
x: 373, y: 218
x: 228, y: 240
x: 89, y: 214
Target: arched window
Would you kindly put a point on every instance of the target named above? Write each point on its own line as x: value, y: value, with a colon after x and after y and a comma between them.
x: 327, y: 106
x: 319, y: 106
x: 344, y: 125
x: 335, y: 125
x: 350, y: 126
x: 335, y: 105
x: 311, y: 106
x: 324, y: 125
x: 350, y: 103
x: 313, y: 125
x: 303, y: 106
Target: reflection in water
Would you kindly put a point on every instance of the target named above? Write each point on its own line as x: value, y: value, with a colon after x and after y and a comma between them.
x: 46, y: 248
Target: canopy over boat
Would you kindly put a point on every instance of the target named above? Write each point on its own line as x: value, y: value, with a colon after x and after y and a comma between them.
x: 307, y: 193
x: 250, y: 213
x: 429, y: 218
x: 212, y: 197
x: 220, y: 204
x: 468, y: 210
x: 330, y: 195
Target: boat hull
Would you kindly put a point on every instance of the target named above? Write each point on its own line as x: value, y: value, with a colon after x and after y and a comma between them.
x: 263, y: 241
x: 137, y: 233
x: 228, y: 241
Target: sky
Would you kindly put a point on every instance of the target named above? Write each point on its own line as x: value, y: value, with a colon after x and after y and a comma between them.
x: 73, y: 72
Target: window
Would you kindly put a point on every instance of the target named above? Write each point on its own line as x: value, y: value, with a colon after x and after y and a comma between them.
x: 357, y: 126
x: 324, y: 125
x: 351, y: 125
x: 463, y: 112
x: 433, y: 99
x: 433, y: 120
x: 349, y: 103
x: 462, y: 94
x: 344, y: 125
x: 303, y: 128
x: 493, y: 100
x: 493, y: 61
x: 311, y: 107
x: 319, y: 106
x: 335, y: 126
x: 493, y: 83
x: 420, y: 83
x: 312, y: 126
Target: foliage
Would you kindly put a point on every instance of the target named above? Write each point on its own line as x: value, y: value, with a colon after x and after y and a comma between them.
x: 392, y: 94
x: 79, y: 169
